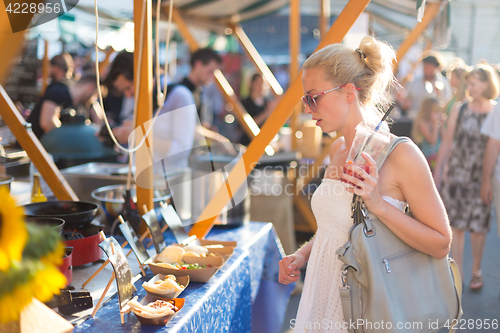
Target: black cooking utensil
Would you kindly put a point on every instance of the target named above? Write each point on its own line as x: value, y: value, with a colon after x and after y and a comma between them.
x: 74, y: 213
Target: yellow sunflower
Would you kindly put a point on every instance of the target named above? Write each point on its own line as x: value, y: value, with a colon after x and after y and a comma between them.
x: 13, y: 234
x: 43, y: 282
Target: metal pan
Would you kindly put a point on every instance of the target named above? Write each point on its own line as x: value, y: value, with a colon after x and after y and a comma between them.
x: 55, y: 223
x: 74, y: 213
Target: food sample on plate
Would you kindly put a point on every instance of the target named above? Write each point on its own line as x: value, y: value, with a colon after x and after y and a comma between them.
x: 164, y: 286
x: 201, y: 251
x: 182, y: 265
x: 214, y: 246
x: 170, y: 254
x: 156, y: 309
x: 175, y: 253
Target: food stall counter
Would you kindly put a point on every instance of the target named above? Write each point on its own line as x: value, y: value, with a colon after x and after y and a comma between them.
x: 243, y: 296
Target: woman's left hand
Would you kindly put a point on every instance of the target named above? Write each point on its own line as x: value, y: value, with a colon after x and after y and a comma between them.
x: 366, y: 182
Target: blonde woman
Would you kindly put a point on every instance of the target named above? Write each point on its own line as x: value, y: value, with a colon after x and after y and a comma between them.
x: 427, y: 131
x: 341, y: 87
x: 458, y: 84
x: 463, y: 152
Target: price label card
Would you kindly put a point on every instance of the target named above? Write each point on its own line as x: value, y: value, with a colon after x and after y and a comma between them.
x: 155, y: 230
x: 174, y: 223
x: 123, y: 273
x: 134, y: 242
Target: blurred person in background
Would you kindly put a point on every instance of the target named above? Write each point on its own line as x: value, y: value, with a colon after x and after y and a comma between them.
x: 463, y: 151
x: 178, y: 134
x: 61, y: 67
x: 430, y: 84
x: 427, y: 131
x: 256, y: 104
x: 490, y: 186
x: 456, y: 74
x: 58, y: 96
x: 119, y: 97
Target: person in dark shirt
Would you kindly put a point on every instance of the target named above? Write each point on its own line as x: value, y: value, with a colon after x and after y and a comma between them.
x: 256, y: 105
x: 58, y: 96
x: 61, y: 67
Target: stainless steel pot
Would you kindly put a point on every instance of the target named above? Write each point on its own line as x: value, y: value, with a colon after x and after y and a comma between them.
x: 210, y: 167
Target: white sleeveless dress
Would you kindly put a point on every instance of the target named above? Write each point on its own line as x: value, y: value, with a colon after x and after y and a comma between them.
x: 320, y: 308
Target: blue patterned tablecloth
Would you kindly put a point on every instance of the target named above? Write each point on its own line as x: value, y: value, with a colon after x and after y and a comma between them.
x: 243, y: 296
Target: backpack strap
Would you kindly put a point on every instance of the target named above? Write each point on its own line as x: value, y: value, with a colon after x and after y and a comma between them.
x: 358, y: 208
x: 461, y: 112
x: 390, y: 147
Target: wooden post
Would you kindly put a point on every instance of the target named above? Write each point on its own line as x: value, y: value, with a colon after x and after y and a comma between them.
x: 45, y: 68
x: 431, y: 11
x: 339, y: 29
x: 324, y: 17
x: 254, y: 55
x: 144, y: 95
x: 106, y: 62
x: 184, y: 30
x: 304, y: 208
x: 249, y: 125
x: 294, y: 67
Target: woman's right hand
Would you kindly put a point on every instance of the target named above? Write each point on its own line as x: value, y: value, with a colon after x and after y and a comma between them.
x: 290, y: 268
x: 486, y: 192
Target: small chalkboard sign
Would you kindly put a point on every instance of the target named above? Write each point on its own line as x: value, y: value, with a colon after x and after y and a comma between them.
x: 155, y: 230
x: 175, y: 224
x: 123, y: 273
x: 134, y: 242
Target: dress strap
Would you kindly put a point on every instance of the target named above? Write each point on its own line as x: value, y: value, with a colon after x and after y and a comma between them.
x: 393, y: 144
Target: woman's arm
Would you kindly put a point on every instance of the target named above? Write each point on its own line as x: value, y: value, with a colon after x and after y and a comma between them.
x: 49, y: 116
x: 290, y: 265
x: 96, y: 113
x: 270, y: 106
x: 489, y: 161
x: 428, y: 230
x: 445, y: 149
x: 430, y: 133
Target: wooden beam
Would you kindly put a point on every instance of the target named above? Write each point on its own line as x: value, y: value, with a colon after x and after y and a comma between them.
x: 36, y: 152
x: 45, y: 68
x: 106, y: 62
x: 294, y: 67
x: 276, y: 120
x: 324, y: 17
x: 431, y: 11
x: 248, y: 123
x: 144, y: 96
x: 304, y: 207
x: 184, y: 30
x: 256, y: 58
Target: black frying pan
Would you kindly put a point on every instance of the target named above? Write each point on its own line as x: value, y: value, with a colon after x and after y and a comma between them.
x: 74, y: 213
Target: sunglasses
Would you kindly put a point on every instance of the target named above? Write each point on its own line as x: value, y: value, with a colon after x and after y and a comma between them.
x: 310, y: 100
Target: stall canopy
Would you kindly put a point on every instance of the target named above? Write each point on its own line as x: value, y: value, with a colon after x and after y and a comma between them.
x: 265, y: 22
